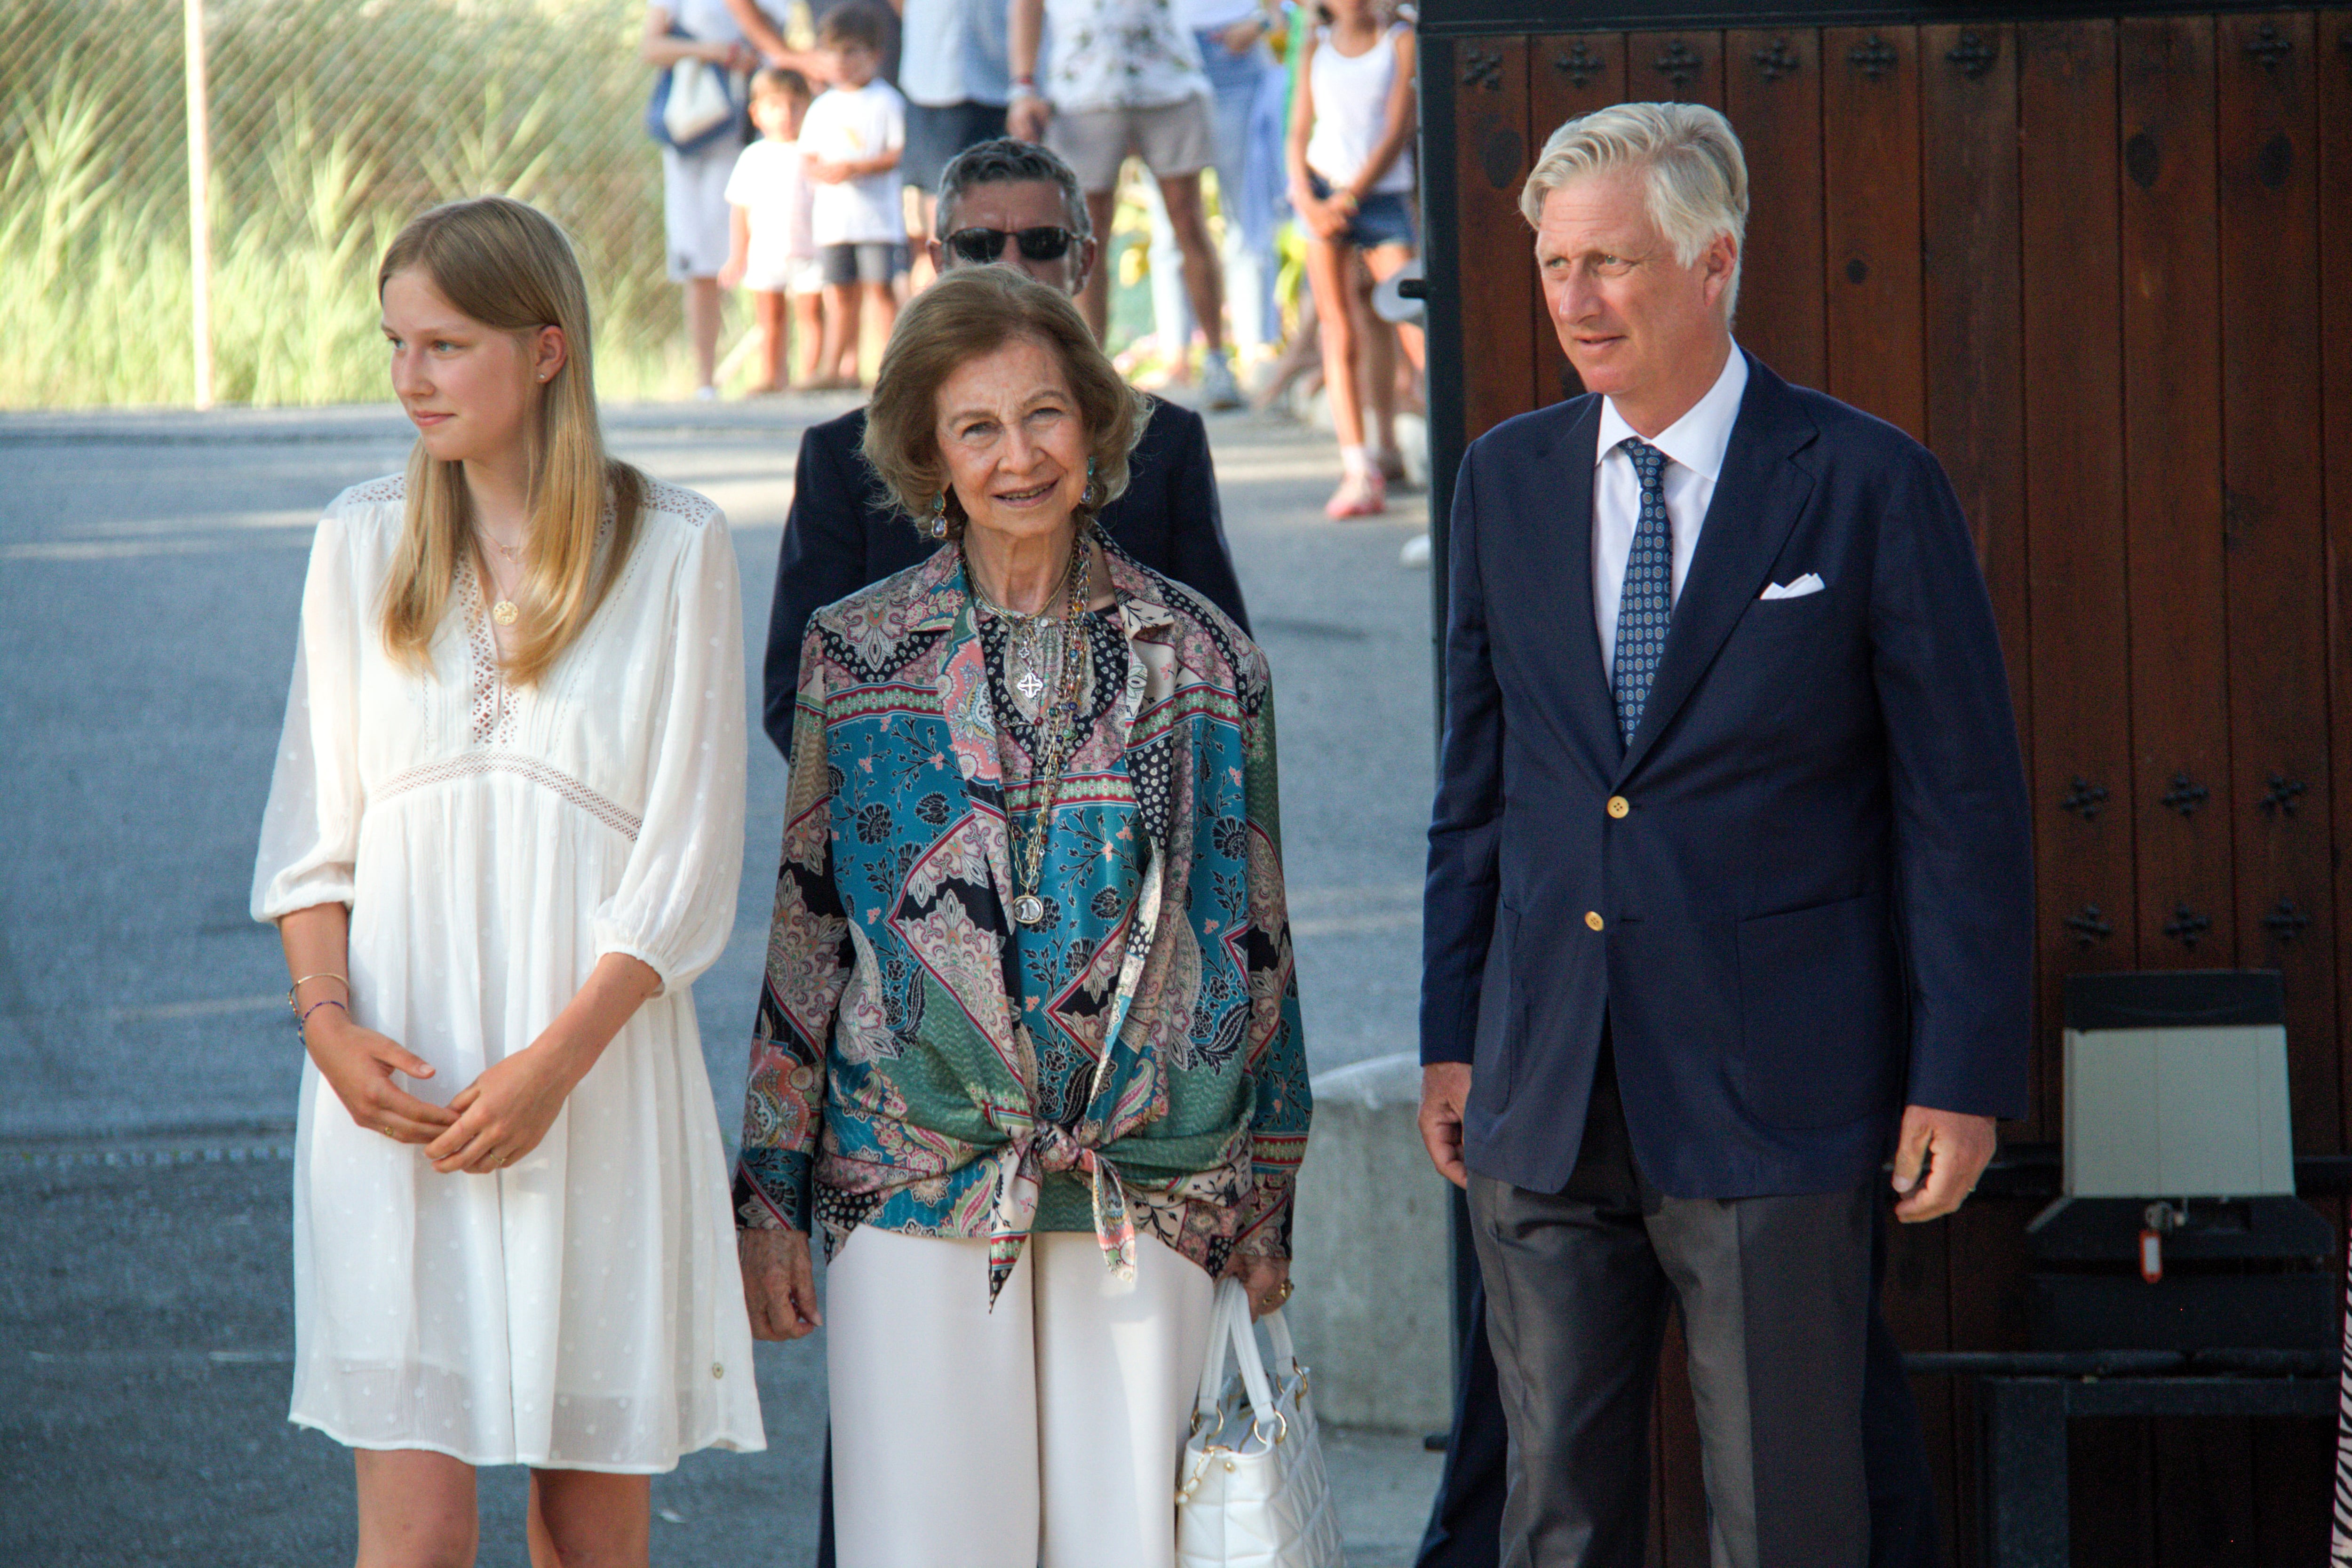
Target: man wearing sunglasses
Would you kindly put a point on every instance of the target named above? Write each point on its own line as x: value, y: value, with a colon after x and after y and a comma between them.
x: 1001, y: 203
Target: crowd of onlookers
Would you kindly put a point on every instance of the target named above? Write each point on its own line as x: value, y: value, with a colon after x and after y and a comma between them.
x: 1256, y: 155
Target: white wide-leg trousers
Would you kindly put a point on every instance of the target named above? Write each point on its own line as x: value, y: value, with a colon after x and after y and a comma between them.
x: 1043, y: 1435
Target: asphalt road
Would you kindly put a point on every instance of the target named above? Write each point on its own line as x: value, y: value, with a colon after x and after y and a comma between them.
x: 150, y: 571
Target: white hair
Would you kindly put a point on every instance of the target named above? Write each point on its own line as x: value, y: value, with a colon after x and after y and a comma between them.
x: 1695, y: 175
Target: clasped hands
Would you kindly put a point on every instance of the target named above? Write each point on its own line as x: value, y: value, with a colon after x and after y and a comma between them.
x: 491, y: 1122
x: 1949, y: 1148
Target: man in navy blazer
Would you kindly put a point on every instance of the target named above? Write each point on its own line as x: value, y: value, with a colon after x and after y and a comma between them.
x: 1729, y: 891
x: 1003, y: 199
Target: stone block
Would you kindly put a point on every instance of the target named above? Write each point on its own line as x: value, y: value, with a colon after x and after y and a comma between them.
x: 1372, y: 1314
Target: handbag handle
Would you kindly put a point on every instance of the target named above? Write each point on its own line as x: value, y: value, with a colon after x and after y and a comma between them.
x: 1228, y: 1329
x: 1285, y: 1351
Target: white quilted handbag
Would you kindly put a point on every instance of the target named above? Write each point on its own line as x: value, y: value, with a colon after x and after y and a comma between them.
x: 1251, y: 1489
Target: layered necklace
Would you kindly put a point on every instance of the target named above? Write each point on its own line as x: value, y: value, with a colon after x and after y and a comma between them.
x: 1051, y: 659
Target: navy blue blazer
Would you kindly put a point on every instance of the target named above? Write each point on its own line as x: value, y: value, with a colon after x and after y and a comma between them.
x: 843, y: 533
x: 1817, y: 904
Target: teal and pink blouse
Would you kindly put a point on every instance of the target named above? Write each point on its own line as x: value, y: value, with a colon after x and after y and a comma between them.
x: 1133, y: 1061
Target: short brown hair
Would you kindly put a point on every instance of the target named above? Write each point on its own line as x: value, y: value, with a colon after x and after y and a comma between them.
x: 776, y: 80
x: 971, y: 311
x: 856, y: 23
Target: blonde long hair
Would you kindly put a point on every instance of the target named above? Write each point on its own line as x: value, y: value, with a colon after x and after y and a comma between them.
x: 509, y: 266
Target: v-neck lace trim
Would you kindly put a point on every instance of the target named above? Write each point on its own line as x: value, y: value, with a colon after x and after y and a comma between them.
x: 494, y: 706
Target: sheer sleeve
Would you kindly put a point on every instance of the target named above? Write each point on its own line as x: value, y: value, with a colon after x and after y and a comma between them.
x: 674, y: 907
x: 311, y: 829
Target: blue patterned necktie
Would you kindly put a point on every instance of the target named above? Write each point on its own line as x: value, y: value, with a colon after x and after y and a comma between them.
x: 1647, y: 597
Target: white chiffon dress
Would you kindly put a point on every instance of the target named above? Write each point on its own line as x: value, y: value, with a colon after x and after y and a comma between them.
x: 582, y: 1309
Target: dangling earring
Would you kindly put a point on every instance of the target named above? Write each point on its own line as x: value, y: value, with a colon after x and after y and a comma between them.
x: 1091, y: 496
x: 937, y: 526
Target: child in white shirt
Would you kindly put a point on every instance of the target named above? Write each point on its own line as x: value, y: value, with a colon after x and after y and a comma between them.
x: 850, y: 142
x: 774, y: 243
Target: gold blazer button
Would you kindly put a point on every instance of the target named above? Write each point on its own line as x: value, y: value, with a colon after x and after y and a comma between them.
x: 1619, y: 805
x: 1592, y: 919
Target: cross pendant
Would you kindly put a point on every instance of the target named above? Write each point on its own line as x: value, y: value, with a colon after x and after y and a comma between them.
x: 1030, y: 687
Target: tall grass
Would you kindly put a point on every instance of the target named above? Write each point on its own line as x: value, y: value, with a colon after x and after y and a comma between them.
x: 333, y: 122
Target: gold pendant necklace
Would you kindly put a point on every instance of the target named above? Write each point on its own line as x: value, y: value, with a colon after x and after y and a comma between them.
x: 504, y: 611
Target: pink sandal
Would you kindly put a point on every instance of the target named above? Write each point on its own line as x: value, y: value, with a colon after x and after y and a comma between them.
x: 1359, y: 495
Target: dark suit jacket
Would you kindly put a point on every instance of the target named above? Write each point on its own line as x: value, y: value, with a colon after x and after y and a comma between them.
x: 1818, y: 906
x: 842, y: 535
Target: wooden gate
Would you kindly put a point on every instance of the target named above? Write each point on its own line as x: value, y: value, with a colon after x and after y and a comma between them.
x: 2102, y: 264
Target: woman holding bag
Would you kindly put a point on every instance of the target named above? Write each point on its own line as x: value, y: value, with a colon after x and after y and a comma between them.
x: 1029, y: 1050
x: 695, y: 214
x: 503, y: 838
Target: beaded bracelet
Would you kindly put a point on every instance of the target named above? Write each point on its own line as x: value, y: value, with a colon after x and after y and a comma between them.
x: 295, y: 1007
x: 303, y: 1021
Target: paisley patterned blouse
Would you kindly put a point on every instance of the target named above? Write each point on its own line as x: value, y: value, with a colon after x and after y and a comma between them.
x: 923, y: 1064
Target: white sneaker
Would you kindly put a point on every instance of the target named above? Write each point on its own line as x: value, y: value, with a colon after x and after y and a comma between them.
x: 1218, y: 388
x: 705, y: 395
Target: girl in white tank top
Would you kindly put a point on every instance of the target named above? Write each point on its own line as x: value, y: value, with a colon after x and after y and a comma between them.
x: 1351, y: 181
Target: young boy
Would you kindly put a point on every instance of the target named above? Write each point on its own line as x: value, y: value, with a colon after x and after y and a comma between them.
x: 773, y: 249
x: 850, y: 142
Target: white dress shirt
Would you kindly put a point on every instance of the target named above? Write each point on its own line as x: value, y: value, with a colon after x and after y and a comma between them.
x: 1694, y: 446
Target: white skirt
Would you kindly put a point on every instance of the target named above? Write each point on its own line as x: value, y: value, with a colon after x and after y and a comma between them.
x: 582, y: 1309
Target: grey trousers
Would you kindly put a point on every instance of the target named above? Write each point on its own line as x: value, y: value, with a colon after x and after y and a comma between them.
x: 1774, y: 1294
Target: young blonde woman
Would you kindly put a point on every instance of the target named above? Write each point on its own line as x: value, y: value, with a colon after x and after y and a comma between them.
x: 503, y: 839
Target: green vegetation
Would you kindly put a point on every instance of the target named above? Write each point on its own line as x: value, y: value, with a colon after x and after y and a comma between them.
x: 332, y: 122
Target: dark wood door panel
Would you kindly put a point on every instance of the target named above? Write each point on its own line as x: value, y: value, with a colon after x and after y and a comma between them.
x: 2276, y: 540
x: 2082, y: 785
x: 1491, y: 160
x: 2334, y: 70
x: 1870, y: 180
x: 2172, y: 460
x: 1974, y: 392
x: 1674, y: 68
x: 1773, y: 95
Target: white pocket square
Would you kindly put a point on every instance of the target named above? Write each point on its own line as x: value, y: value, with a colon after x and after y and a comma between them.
x: 1811, y: 583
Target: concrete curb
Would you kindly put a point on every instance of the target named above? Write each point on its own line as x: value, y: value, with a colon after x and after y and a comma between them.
x: 1372, y: 1314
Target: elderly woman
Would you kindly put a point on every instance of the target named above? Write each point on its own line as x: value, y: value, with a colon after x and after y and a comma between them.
x: 1029, y: 1045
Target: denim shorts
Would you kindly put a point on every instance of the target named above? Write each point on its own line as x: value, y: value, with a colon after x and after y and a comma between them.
x: 870, y: 262
x: 1384, y: 218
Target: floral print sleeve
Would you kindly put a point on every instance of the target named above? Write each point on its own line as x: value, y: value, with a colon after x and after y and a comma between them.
x: 1277, y: 1056
x: 810, y: 956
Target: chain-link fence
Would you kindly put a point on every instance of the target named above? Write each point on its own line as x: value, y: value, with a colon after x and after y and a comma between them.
x: 330, y: 122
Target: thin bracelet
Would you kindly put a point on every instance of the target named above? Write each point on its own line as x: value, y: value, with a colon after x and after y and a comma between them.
x: 303, y: 1023
x: 296, y: 1007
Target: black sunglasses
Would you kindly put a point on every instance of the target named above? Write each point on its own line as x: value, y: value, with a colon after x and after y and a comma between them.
x: 988, y: 244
